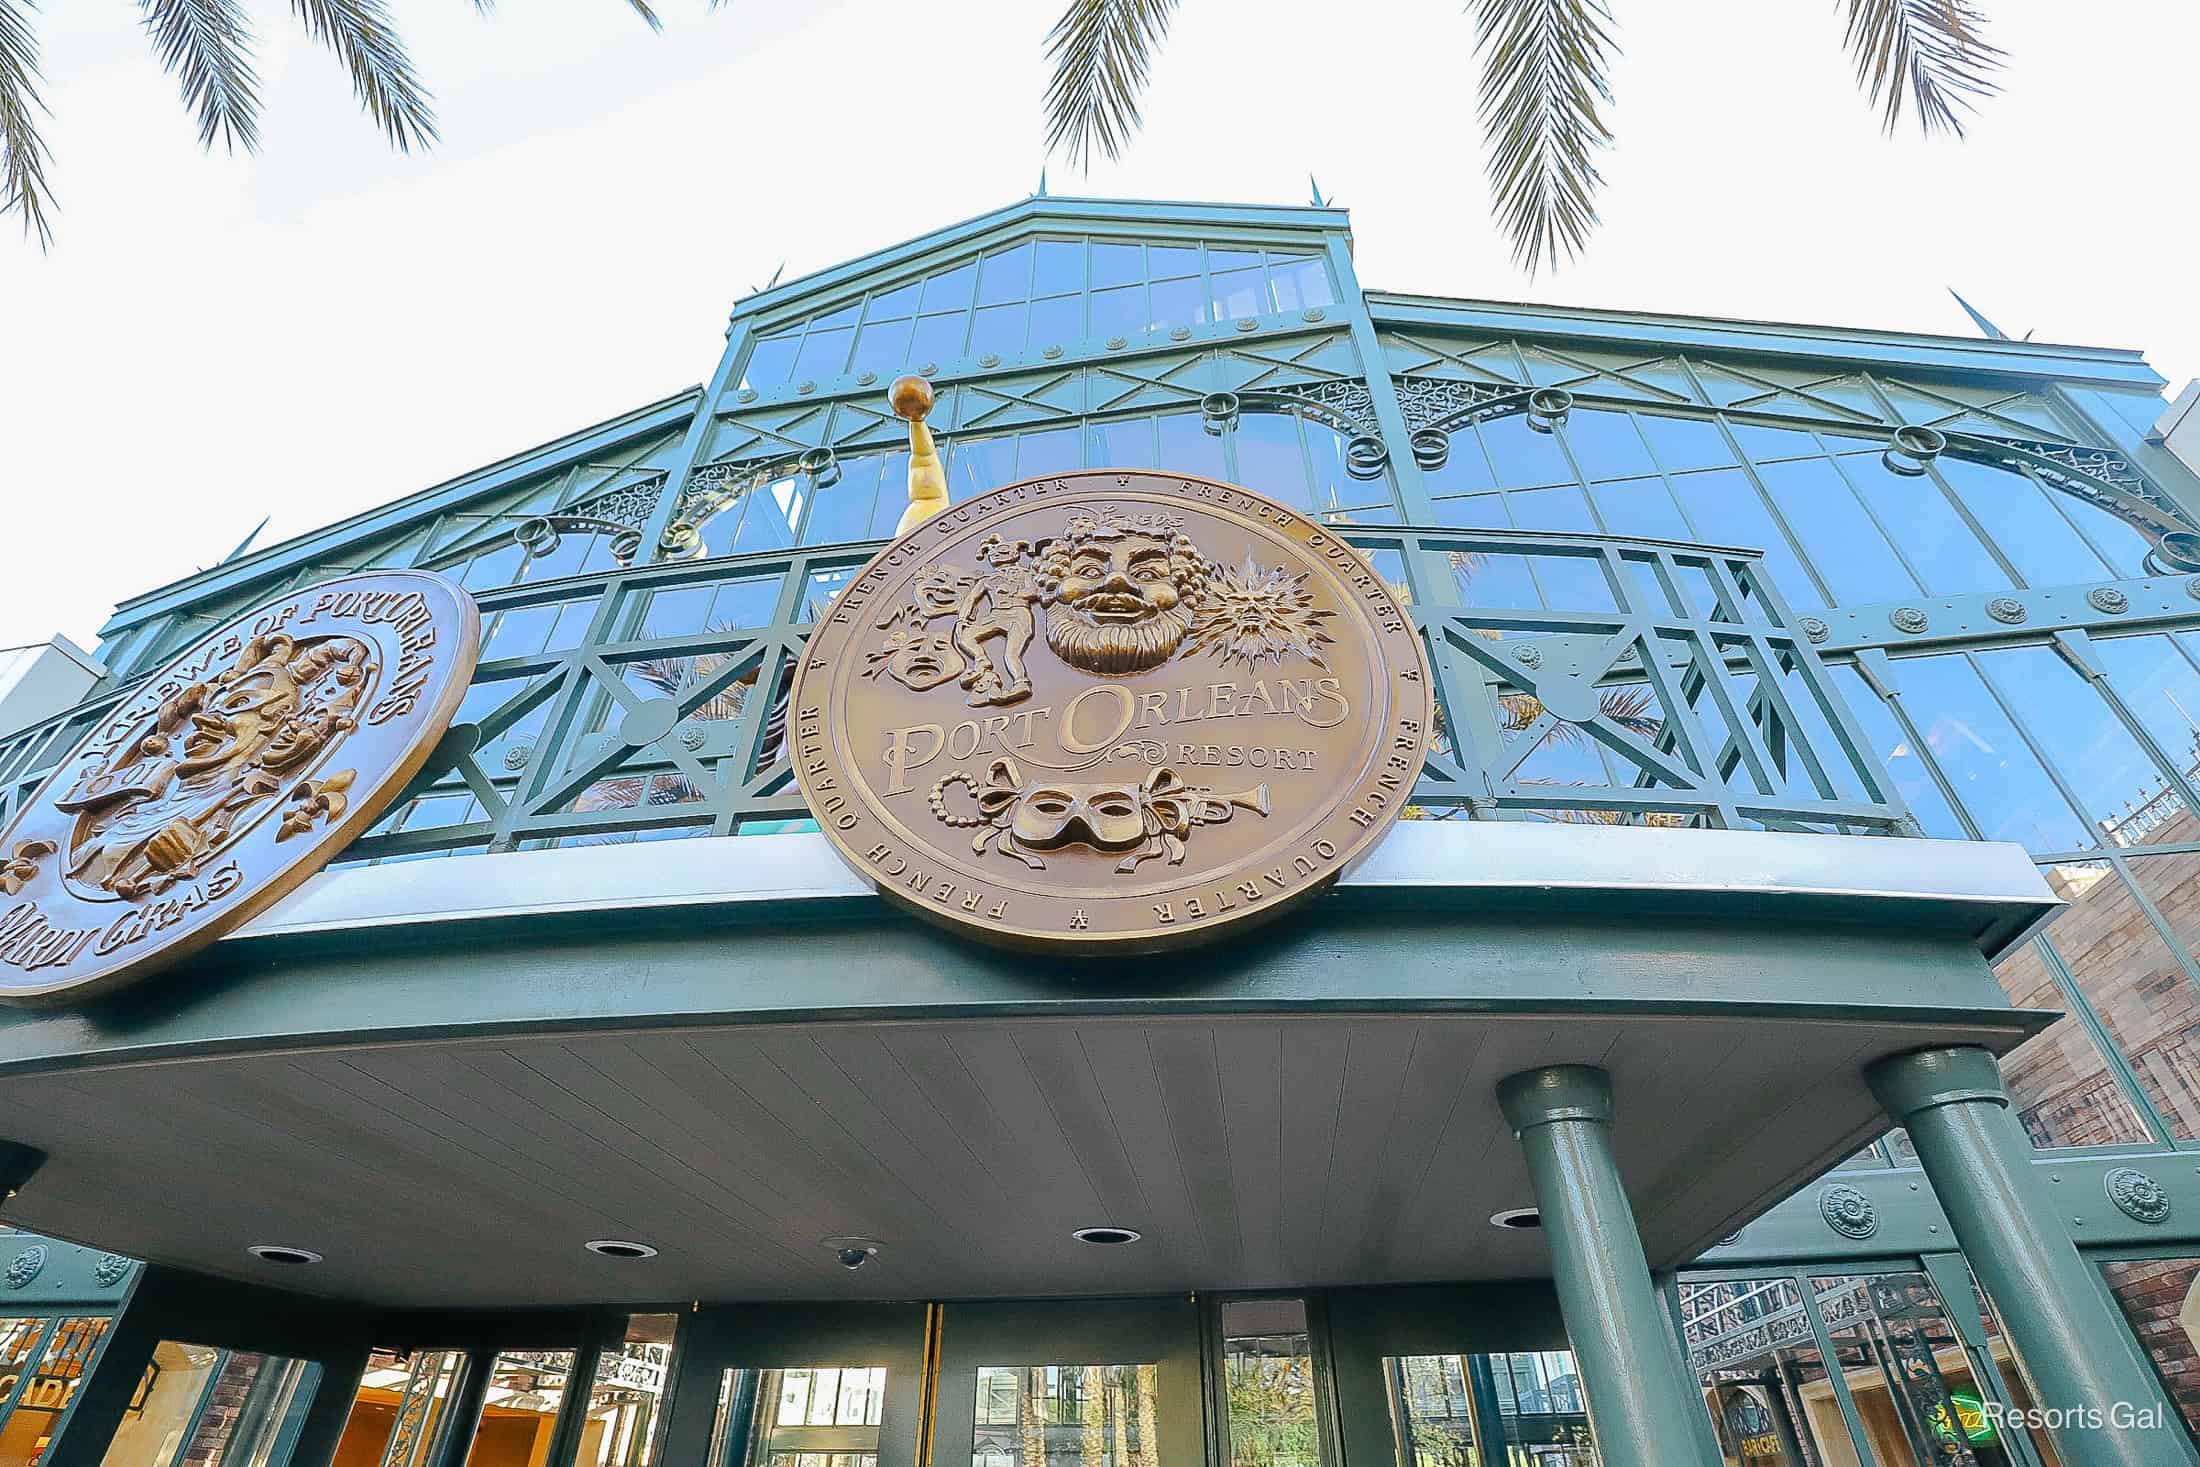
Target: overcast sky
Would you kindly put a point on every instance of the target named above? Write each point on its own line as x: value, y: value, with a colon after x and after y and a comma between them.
x: 329, y: 326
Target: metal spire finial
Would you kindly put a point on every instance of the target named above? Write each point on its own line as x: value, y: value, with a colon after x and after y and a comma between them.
x: 1985, y: 326
x: 1316, y: 190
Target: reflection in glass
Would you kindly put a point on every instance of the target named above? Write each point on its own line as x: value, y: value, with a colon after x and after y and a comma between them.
x: 204, y: 1407
x: 2060, y: 1085
x: 1763, y: 1379
x: 42, y: 1364
x: 824, y: 1416
x: 1067, y: 1416
x: 1268, y: 1378
x: 2132, y: 980
x: 620, y: 1425
x: 1522, y: 1408
x: 2008, y: 795
x: 520, y: 1410
x: 401, y: 1409
x: 2162, y: 1303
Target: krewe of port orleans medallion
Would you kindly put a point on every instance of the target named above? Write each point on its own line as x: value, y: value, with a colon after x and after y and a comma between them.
x: 229, y: 777
x: 1115, y: 707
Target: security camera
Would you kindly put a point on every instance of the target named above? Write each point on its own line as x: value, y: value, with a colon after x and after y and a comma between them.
x: 852, y: 1253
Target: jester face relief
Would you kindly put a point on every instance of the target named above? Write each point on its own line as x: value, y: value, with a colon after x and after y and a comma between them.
x: 1119, y: 597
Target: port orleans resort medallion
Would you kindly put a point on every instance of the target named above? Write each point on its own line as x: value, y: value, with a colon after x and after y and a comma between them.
x: 227, y: 778
x: 1112, y: 708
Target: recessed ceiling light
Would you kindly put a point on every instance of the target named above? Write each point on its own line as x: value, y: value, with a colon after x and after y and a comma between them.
x: 1517, y: 1218
x: 619, y: 1248
x: 1106, y: 1237
x: 278, y: 1253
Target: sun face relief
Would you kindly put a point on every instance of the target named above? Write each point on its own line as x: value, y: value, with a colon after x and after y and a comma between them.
x: 227, y: 778
x: 1110, y: 708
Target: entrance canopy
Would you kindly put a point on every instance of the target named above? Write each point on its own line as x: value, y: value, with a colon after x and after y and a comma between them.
x: 447, y: 1077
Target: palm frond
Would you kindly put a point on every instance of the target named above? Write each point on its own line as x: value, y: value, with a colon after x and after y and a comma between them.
x: 23, y: 155
x: 1543, y: 83
x: 206, y: 45
x: 1101, y: 50
x: 382, y: 77
x: 641, y: 8
x: 1927, y: 53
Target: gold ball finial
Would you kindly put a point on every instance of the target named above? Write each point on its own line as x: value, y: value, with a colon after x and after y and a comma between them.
x: 911, y: 397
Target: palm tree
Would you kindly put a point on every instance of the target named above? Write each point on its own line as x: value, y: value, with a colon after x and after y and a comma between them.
x: 206, y: 45
x: 1544, y: 91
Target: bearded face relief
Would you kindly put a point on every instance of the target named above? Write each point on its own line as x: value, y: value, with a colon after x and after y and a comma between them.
x: 1120, y: 596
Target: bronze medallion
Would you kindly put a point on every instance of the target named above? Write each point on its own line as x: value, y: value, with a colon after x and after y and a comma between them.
x: 229, y: 777
x: 1115, y: 707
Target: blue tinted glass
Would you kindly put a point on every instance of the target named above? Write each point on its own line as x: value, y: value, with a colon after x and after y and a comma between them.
x: 845, y: 316
x: 997, y: 329
x: 1058, y: 321
x: 1048, y: 452
x: 679, y: 609
x: 1165, y: 262
x: 497, y: 568
x: 1005, y: 276
x: 1685, y: 443
x: 2155, y: 678
x: 1334, y: 486
x: 900, y: 302
x: 1498, y: 582
x: 1178, y: 303
x: 1188, y: 448
x: 2000, y: 783
x: 842, y: 509
x: 1724, y: 507
x: 1851, y: 555
x: 1606, y: 445
x: 975, y: 465
x: 1884, y: 736
x: 824, y: 354
x: 937, y: 339
x: 881, y: 347
x: 1572, y: 582
x: 1640, y: 507
x: 951, y: 290
x: 1925, y: 526
x: 1474, y: 512
x: 2024, y: 526
x: 1300, y: 281
x: 1563, y: 509
x: 746, y: 603
x: 2089, y: 745
x: 1522, y: 457
x: 562, y: 559
x: 1465, y: 470
x: 772, y: 512
x: 1268, y: 458
x: 1240, y: 293
x: 1765, y: 444
x: 769, y: 362
x: 1117, y: 264
x: 1060, y: 269
x: 519, y: 632
x: 2125, y: 547
x: 1119, y: 312
x: 1124, y: 444
x: 1220, y: 260
x: 892, y: 497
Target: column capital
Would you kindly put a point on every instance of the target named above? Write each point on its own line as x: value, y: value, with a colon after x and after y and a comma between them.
x: 1555, y: 1093
x: 1924, y: 1078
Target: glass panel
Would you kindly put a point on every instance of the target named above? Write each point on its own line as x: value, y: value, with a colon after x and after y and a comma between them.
x: 1727, y: 511
x: 1126, y: 443
x: 520, y: 1411
x: 2154, y: 678
x: 1188, y: 448
x: 203, y: 1407
x: 1685, y: 443
x: 1066, y: 1416
x: 63, y: 1349
x: 1300, y: 282
x: 2134, y: 983
x: 2008, y: 794
x: 1268, y: 1373
x: 1640, y: 507
x: 823, y: 354
x: 1240, y: 293
x: 1896, y: 755
x: 1851, y: 555
x: 620, y: 1427
x: 997, y: 329
x: 882, y: 347
x: 2089, y: 746
x: 1461, y: 1410
x: 1060, y: 269
x: 1606, y: 445
x: 937, y: 339
x: 2014, y: 511
x: 1763, y: 1379
x: 2160, y: 1301
x: 1522, y: 457
x: 977, y: 464
x: 1268, y: 458
x: 841, y: 511
x: 951, y: 290
x: 1005, y: 276
x: 1177, y: 303
x: 1907, y: 1372
x: 1047, y: 452
x: 1118, y: 312
x: 770, y: 360
x: 817, y: 1416
x: 2061, y: 1086
x: 1057, y: 322
x: 1938, y: 543
x: 900, y: 301
x: 1167, y: 262
x: 1117, y: 264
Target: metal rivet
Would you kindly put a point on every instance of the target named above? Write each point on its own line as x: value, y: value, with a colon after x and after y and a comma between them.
x: 2108, y: 599
x: 746, y: 394
x: 1180, y: 333
x: 1314, y: 313
x: 865, y: 379
x: 990, y: 359
x: 807, y: 388
x: 1908, y: 619
x: 1117, y: 343
x: 1247, y: 323
x: 1052, y: 351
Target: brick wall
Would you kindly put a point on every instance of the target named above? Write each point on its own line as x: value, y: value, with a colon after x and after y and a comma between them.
x: 219, y: 1421
x: 2152, y: 1293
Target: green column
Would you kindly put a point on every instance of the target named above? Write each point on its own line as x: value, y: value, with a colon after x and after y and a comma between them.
x: 2076, y: 1351
x: 1640, y: 1396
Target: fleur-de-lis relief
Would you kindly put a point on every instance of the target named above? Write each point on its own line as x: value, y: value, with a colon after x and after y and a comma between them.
x: 20, y: 867
x: 319, y: 801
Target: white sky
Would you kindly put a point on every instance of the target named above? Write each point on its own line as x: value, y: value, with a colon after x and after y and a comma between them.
x: 330, y: 326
